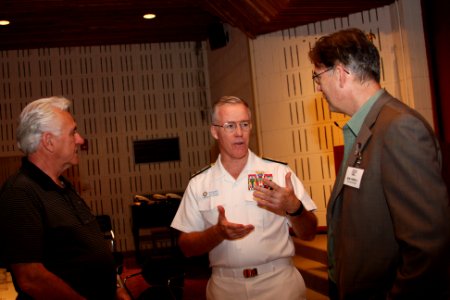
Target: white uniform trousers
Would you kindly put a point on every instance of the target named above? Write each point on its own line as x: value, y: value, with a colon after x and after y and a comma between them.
x: 284, y: 284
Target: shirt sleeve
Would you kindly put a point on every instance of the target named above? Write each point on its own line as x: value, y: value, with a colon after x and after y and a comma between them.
x: 301, y: 192
x: 188, y: 217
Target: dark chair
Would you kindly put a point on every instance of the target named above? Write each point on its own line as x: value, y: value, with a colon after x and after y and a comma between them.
x: 105, y: 224
x: 104, y: 221
x: 155, y: 216
x: 165, y: 275
x: 163, y: 265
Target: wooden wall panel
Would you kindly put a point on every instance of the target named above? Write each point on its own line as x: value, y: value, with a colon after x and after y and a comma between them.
x: 296, y: 124
x: 120, y: 94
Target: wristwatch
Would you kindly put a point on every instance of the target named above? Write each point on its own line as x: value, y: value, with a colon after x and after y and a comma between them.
x: 298, y: 212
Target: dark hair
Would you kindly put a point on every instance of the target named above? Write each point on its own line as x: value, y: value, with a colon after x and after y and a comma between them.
x: 351, y: 47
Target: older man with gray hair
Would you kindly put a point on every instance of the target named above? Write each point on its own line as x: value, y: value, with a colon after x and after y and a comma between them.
x: 50, y: 240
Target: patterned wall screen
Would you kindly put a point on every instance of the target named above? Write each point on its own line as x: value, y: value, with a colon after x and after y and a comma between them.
x: 296, y: 124
x: 120, y: 94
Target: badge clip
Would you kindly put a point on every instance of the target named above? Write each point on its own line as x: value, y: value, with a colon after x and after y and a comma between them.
x: 358, y: 154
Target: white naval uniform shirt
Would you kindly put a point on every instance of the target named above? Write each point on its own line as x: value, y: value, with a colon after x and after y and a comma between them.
x: 270, y: 239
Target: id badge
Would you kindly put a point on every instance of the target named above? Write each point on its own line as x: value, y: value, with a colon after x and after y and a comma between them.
x: 353, y: 177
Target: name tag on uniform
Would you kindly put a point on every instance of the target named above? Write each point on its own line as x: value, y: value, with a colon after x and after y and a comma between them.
x: 353, y: 177
x: 210, y: 194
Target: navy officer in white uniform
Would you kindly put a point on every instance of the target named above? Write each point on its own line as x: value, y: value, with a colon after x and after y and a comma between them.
x: 239, y: 210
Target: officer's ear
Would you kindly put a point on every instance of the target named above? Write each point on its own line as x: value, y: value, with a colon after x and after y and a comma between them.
x: 214, y: 133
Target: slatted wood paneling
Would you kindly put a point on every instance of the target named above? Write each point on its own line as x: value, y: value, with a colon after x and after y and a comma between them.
x: 296, y: 123
x: 120, y: 94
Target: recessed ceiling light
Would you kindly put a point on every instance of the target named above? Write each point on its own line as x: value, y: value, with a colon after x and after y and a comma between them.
x: 4, y: 22
x: 149, y: 16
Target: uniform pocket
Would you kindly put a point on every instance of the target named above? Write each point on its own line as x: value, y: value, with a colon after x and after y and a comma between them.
x: 254, y: 214
x: 208, y: 209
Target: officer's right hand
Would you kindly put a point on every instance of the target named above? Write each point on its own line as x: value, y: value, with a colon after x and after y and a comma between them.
x: 231, y: 231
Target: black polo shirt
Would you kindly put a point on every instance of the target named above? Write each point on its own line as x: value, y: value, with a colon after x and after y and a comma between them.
x: 42, y: 222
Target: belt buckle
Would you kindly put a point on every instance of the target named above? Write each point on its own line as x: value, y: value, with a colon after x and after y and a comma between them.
x: 248, y: 273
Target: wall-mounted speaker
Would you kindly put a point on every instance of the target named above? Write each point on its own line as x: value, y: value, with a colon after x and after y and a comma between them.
x: 217, y: 35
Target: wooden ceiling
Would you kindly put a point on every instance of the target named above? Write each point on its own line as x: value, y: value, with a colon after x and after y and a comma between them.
x: 58, y: 23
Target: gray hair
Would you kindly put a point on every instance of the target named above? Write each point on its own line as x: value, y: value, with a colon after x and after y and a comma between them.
x: 36, y: 118
x: 228, y: 100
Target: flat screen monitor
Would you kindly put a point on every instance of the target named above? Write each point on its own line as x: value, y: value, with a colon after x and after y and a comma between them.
x: 156, y: 150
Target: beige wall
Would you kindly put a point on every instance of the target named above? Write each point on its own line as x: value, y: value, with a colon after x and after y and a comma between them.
x: 293, y: 122
x: 230, y: 73
x: 120, y: 94
x: 128, y: 92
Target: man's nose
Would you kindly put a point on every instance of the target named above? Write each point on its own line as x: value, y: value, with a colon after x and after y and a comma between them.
x: 238, y: 130
x: 79, y: 139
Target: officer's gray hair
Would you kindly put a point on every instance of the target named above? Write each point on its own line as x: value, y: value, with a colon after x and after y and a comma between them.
x: 227, y: 100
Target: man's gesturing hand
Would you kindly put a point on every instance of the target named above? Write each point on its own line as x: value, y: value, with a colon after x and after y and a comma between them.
x: 231, y: 231
x: 276, y: 198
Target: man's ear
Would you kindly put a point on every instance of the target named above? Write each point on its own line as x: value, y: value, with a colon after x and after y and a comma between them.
x: 214, y: 134
x: 47, y: 141
x: 343, y: 75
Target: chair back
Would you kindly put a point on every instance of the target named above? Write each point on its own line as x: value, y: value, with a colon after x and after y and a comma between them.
x: 104, y: 221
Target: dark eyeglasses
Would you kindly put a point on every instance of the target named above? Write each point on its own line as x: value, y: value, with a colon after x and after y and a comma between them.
x: 231, y: 127
x: 316, y: 76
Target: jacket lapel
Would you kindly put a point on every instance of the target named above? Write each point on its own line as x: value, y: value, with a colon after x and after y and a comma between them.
x: 362, y: 139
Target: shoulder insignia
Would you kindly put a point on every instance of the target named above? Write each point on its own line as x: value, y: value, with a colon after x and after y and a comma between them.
x: 201, y: 170
x: 275, y: 161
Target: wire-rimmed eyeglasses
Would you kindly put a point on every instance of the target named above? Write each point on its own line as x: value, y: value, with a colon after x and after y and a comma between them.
x: 231, y: 127
x: 316, y: 76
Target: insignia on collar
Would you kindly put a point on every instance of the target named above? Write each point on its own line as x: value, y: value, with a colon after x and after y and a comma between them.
x: 201, y: 170
x: 275, y: 161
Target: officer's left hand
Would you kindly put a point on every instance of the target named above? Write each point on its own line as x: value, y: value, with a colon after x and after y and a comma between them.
x: 276, y: 198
